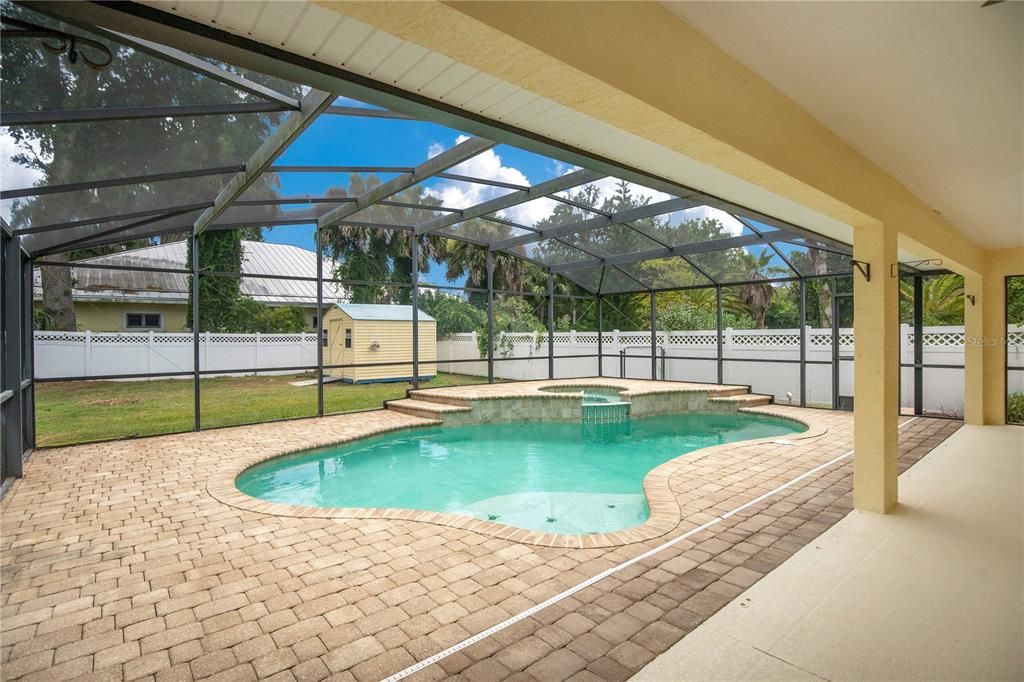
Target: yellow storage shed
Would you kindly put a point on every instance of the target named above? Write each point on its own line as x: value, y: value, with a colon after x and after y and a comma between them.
x: 364, y: 334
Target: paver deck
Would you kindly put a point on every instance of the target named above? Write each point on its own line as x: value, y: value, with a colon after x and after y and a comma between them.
x: 118, y: 564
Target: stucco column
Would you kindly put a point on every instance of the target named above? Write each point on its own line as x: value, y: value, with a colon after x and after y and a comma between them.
x: 974, y: 345
x: 993, y: 346
x: 876, y: 370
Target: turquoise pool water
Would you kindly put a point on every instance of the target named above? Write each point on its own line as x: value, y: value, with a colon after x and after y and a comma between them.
x: 548, y: 476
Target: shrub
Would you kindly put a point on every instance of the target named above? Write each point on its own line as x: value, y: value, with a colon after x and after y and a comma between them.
x: 1015, y: 408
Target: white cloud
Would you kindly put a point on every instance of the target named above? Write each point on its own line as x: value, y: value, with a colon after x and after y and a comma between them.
x: 488, y: 166
x: 731, y: 225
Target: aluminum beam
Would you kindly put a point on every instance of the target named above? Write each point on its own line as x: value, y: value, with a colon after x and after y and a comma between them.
x: 118, y: 182
x: 559, y: 184
x: 312, y: 105
x: 443, y: 161
x: 200, y: 66
x: 62, y: 116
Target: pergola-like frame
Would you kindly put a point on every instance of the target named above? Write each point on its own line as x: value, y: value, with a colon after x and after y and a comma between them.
x: 140, y: 27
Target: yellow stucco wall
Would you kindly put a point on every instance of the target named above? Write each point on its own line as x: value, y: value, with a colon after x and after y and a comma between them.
x: 395, y: 345
x: 109, y: 316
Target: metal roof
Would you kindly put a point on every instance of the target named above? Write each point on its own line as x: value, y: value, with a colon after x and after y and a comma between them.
x: 166, y: 285
x: 381, y: 312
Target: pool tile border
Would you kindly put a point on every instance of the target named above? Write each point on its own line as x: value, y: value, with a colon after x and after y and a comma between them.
x: 665, y: 511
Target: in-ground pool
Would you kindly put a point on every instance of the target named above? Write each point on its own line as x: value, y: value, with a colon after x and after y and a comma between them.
x: 553, y: 477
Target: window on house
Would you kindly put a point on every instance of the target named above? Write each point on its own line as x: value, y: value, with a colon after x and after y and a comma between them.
x: 323, y: 338
x: 313, y: 324
x: 143, y: 321
x: 348, y: 338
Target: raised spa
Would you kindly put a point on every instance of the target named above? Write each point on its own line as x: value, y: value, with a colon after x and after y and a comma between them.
x: 552, y: 477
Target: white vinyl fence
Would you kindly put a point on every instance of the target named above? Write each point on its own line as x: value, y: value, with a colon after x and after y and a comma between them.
x: 101, y: 354
x: 104, y: 354
x: 745, y: 352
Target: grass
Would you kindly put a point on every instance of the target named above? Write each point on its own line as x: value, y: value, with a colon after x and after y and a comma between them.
x: 82, y: 411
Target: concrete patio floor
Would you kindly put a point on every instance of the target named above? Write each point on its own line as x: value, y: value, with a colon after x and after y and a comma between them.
x: 932, y: 591
x: 117, y: 564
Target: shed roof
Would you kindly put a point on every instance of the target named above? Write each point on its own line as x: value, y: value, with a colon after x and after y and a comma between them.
x: 381, y: 312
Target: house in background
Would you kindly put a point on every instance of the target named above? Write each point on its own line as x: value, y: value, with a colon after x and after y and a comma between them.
x: 136, y: 300
x: 362, y: 334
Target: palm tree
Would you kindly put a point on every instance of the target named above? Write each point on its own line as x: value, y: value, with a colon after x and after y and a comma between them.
x: 942, y: 299
x: 756, y: 295
x: 470, y: 261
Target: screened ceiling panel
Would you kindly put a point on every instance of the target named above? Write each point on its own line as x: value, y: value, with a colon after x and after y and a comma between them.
x: 691, y: 226
x: 613, y: 233
x: 611, y: 241
x: 665, y: 273
x: 454, y: 194
x: 544, y: 213
x: 742, y: 265
x: 106, y: 203
x: 610, y: 194
x: 552, y: 252
x: 133, y: 79
x: 480, y: 230
x: 809, y: 261
x: 617, y: 282
x: 105, y: 150
x: 323, y: 184
x: 587, y: 278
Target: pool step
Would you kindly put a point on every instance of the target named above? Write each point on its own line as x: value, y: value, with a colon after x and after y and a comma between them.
x: 728, y: 391
x: 423, y: 408
x: 439, y: 399
x: 743, y: 400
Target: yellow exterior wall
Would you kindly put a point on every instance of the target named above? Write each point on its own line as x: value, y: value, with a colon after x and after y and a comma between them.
x: 395, y: 338
x: 109, y: 316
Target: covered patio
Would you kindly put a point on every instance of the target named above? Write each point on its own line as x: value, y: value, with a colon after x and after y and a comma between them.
x: 513, y: 203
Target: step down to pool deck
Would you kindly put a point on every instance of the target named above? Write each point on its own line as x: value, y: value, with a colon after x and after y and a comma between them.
x: 424, y: 409
x: 743, y: 399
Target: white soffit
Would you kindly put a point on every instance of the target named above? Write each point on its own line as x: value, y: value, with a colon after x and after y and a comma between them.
x: 931, y: 92
x: 323, y: 35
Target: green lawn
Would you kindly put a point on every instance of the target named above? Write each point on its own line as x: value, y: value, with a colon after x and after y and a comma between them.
x: 82, y: 411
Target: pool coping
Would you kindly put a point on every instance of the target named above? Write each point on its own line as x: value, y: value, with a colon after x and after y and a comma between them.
x: 665, y: 512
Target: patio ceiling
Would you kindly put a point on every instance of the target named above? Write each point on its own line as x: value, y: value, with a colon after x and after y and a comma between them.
x: 168, y: 142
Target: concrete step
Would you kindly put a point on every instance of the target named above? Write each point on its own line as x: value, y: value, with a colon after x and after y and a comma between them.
x: 423, y: 408
x: 744, y: 400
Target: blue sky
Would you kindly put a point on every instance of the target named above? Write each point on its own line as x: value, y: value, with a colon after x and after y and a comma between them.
x: 357, y: 141
x: 335, y: 140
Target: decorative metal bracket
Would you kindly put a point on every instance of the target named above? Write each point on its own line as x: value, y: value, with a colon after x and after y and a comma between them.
x: 60, y: 42
x: 864, y: 268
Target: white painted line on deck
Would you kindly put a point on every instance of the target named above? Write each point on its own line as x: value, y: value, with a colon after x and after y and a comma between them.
x: 441, y: 655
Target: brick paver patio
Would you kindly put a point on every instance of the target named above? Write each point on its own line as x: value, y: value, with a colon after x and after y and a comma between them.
x: 118, y: 564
